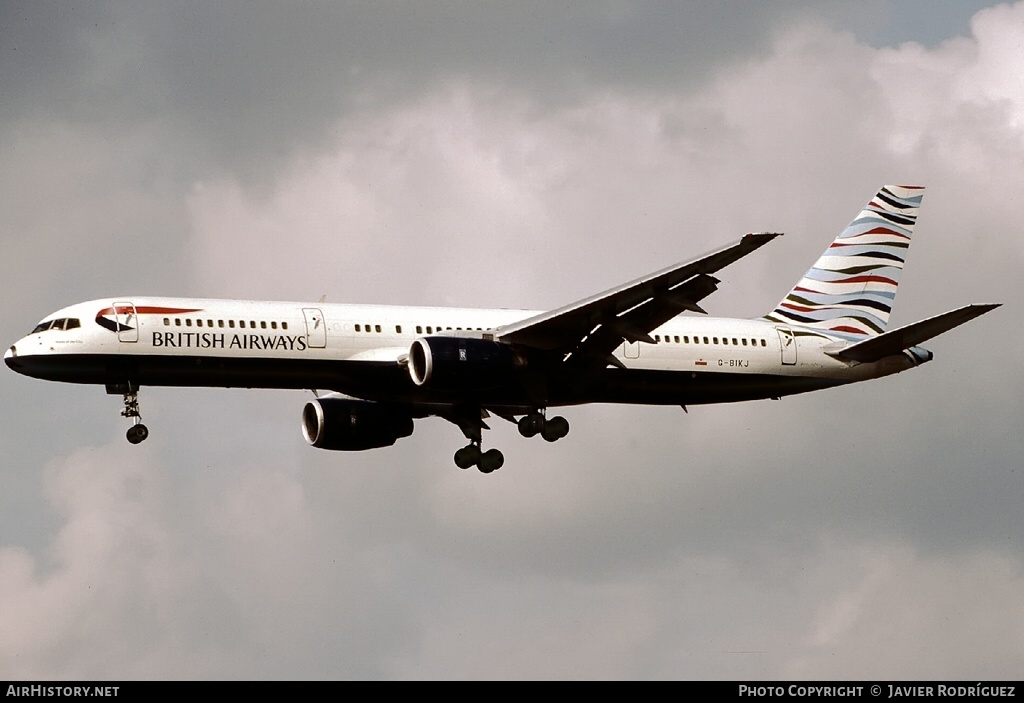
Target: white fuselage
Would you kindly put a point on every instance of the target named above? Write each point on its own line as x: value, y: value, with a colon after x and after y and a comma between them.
x: 361, y: 350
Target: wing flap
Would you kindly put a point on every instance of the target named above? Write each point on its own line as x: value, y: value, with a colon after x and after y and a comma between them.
x: 895, y: 341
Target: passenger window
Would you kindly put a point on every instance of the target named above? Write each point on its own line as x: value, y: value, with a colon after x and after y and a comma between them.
x: 188, y: 322
x: 263, y: 324
x: 398, y: 329
x: 167, y: 322
x: 357, y: 328
x: 744, y: 341
x: 252, y: 324
x: 220, y: 323
x: 284, y: 325
x: 199, y: 323
x: 764, y: 343
x: 231, y: 324
x: 273, y: 325
x: 376, y: 328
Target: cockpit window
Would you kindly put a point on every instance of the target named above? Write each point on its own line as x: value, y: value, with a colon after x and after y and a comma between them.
x: 64, y: 323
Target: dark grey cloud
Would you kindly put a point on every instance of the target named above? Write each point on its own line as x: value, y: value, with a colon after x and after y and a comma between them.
x: 241, y: 85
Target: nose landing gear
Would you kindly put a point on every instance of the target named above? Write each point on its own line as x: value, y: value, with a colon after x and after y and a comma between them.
x: 137, y: 432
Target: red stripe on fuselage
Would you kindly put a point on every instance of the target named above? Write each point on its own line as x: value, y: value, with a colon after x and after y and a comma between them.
x: 146, y: 310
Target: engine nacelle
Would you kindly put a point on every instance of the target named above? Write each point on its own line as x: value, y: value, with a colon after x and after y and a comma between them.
x: 335, y: 422
x: 456, y: 363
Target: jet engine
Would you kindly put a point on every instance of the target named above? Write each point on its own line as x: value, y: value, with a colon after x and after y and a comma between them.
x: 338, y: 422
x: 456, y: 363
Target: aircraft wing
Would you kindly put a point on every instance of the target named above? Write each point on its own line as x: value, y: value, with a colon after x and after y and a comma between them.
x: 595, y: 326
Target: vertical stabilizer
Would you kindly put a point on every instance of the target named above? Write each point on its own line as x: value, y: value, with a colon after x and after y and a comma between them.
x: 850, y: 290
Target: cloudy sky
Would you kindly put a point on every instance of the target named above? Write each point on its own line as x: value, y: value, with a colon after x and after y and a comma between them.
x: 511, y: 155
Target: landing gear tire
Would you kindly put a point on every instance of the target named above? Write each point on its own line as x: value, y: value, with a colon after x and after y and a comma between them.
x: 467, y: 456
x: 555, y: 428
x: 531, y: 425
x: 488, y: 461
x: 137, y: 433
x: 491, y: 460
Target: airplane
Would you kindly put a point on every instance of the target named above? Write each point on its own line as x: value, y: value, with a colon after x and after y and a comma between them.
x: 386, y: 366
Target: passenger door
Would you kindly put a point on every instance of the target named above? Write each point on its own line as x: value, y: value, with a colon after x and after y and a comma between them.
x: 316, y: 328
x: 127, y: 322
x: 788, y: 342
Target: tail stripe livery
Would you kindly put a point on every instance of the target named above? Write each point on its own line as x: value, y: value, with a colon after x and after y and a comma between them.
x: 850, y: 290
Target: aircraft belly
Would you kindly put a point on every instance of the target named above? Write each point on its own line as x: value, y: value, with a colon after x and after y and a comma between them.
x: 211, y: 371
x: 390, y: 381
x: 697, y: 387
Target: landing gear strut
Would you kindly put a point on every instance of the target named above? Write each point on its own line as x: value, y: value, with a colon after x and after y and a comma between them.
x: 137, y: 432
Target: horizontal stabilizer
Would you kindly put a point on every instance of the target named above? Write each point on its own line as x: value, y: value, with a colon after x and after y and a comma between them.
x: 895, y: 341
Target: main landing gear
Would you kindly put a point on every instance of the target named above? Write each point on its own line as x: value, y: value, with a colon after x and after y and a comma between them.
x: 536, y: 424
x: 471, y: 422
x: 472, y: 455
x: 137, y: 432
